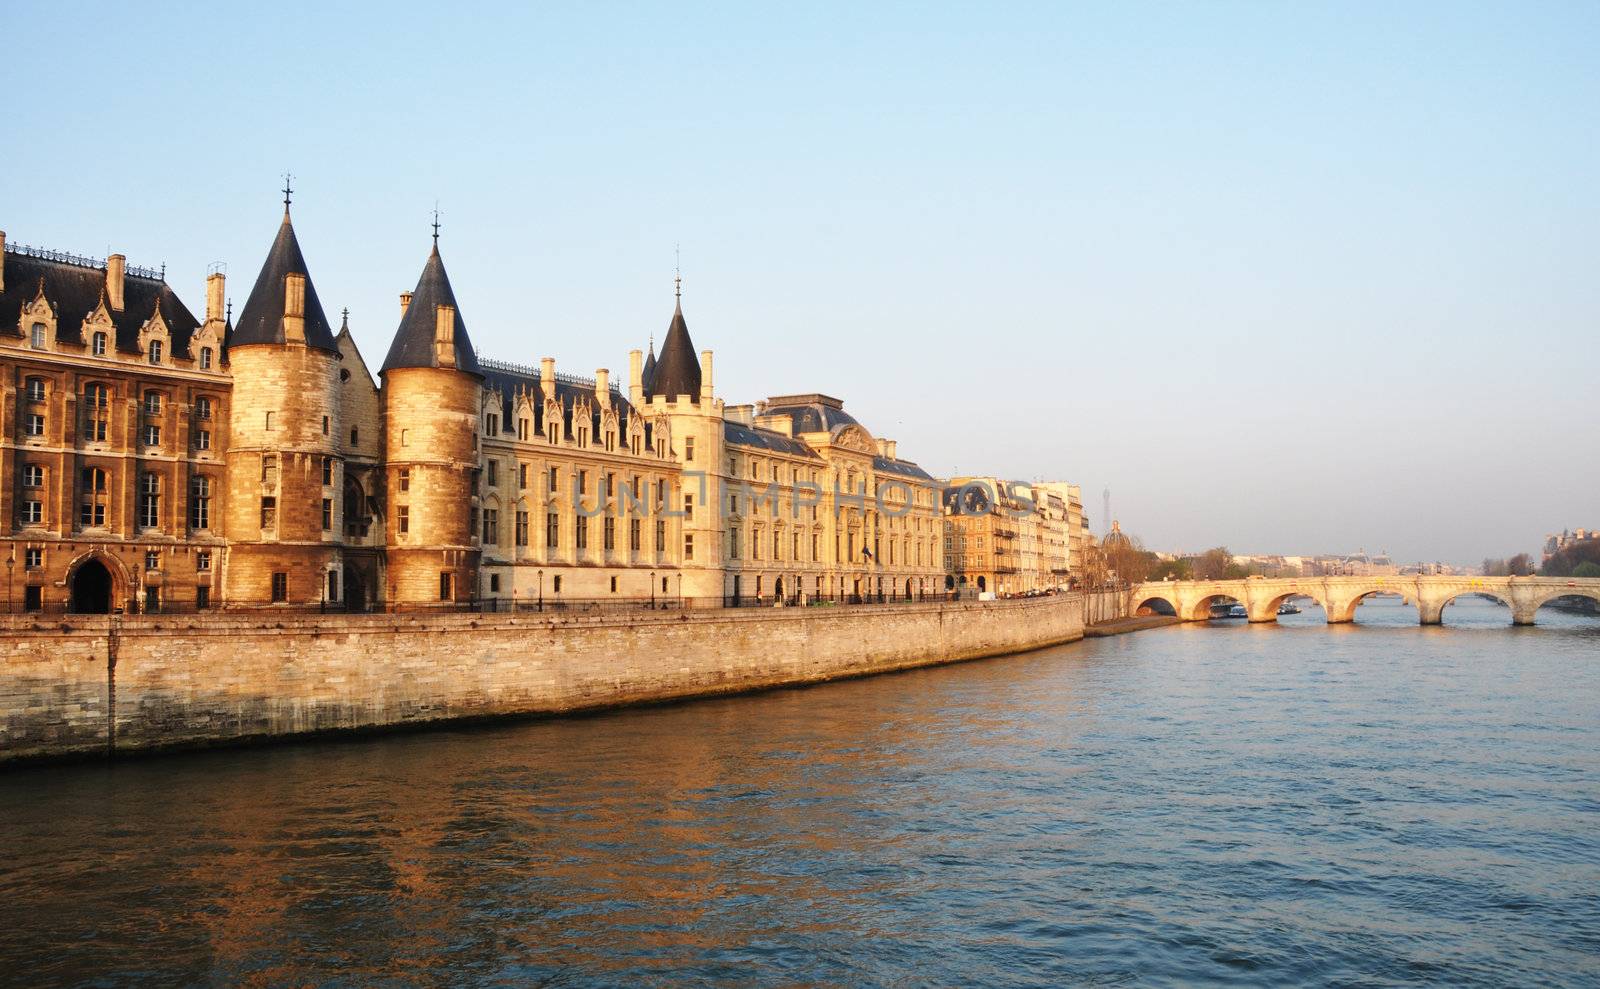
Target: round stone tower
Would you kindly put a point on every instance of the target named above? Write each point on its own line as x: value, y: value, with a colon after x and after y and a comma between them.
x: 283, y: 457
x: 432, y: 397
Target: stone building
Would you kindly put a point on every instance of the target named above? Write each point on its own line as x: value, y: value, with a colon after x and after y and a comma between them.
x: 158, y: 461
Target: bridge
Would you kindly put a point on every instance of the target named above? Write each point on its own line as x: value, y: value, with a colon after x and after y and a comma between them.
x: 1339, y: 597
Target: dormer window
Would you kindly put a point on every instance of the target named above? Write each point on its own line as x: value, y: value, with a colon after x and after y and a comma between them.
x: 205, y: 358
x: 37, y: 336
x: 153, y: 354
x: 97, y: 345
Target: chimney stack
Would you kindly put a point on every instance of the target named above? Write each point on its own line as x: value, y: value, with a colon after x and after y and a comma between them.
x: 547, y: 378
x: 116, y: 269
x: 215, y: 284
x: 602, y: 386
x: 705, y: 376
x: 405, y: 302
x: 294, y: 308
x: 444, y: 335
x: 635, y: 376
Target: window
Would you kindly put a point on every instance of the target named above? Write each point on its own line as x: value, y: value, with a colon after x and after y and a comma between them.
x: 522, y: 529
x: 688, y: 546
x: 269, y: 420
x: 688, y: 448
x: 327, y: 470
x: 491, y: 526
x: 355, y: 435
x: 613, y: 585
x: 33, y: 513
x: 149, y: 500
x: 609, y: 485
x: 97, y: 410
x: 494, y: 473
x: 92, y: 507
x: 32, y: 476
x: 154, y: 353
x: 609, y: 533
x: 152, y: 560
x: 202, y: 408
x: 404, y: 479
x: 202, y: 562
x: 37, y: 338
x: 733, y: 544
x: 269, y: 470
x: 152, y: 599
x: 280, y: 587
x: 491, y: 424
x: 327, y: 514
x: 581, y: 533
x: 269, y: 513
x: 202, y: 597
x: 688, y: 506
x: 33, y: 559
x: 633, y: 535
x: 403, y: 519
x: 152, y: 435
x: 36, y: 425
x: 522, y: 429
x: 152, y: 403
x: 583, y: 482
x: 494, y: 583
x: 202, y: 439
x: 558, y: 583
x: 816, y: 549
x: 447, y: 584
x: 205, y: 358
x: 35, y: 389
x: 661, y: 535
x: 554, y: 482
x: 98, y: 344
x: 522, y: 476
x: 733, y: 504
x: 552, y: 530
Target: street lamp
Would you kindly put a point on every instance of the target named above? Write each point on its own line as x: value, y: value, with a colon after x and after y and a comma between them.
x: 652, y: 590
x: 11, y: 563
x: 541, y: 590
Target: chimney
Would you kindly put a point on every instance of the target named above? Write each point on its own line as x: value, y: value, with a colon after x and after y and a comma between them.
x: 635, y: 375
x: 547, y: 378
x: 116, y: 267
x: 891, y: 449
x: 214, y: 295
x: 705, y: 376
x: 2, y: 260
x: 602, y: 386
x: 444, y: 335
x: 294, y: 308
x: 405, y: 303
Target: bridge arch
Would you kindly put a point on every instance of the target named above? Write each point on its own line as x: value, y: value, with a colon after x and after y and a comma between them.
x: 1157, y: 604
x: 1199, y: 609
x: 1265, y: 607
x: 1343, y: 608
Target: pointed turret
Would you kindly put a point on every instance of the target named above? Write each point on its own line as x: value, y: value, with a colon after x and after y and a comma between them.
x: 678, y: 370
x: 432, y: 332
x: 649, y: 367
x: 269, y: 315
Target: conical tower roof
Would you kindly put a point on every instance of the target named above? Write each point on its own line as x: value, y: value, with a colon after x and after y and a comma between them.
x: 678, y: 370
x: 261, y: 319
x: 649, y: 373
x: 413, y: 341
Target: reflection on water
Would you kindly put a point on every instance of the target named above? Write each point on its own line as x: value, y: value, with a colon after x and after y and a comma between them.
x: 1376, y: 803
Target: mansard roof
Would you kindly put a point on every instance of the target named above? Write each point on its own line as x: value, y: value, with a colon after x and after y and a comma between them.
x: 413, y: 341
x: 904, y: 468
x: 509, y: 379
x: 74, y: 289
x: 738, y: 434
x: 812, y: 412
x: 678, y: 370
x: 261, y: 319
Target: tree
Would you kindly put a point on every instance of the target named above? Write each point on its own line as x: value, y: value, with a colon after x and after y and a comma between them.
x: 1567, y: 562
x: 1588, y: 568
x: 1127, y: 557
x: 1520, y: 565
x: 1171, y: 570
x: 1216, y: 564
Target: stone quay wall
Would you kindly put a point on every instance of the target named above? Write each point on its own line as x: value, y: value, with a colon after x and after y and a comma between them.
x: 82, y: 686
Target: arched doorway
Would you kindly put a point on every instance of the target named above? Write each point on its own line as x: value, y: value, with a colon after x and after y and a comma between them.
x: 777, y: 589
x: 983, y: 584
x: 91, y: 588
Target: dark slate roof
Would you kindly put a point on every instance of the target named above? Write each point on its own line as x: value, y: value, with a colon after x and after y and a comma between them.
x: 678, y: 370
x: 413, y: 341
x: 811, y: 413
x: 649, y: 374
x: 969, y: 499
x: 74, y: 291
x: 510, y: 379
x: 261, y: 319
x: 765, y: 439
x: 904, y: 468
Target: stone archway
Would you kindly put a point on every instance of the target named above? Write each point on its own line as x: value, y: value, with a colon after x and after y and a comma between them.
x: 91, y: 588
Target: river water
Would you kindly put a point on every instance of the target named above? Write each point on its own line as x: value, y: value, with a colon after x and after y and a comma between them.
x: 1378, y: 804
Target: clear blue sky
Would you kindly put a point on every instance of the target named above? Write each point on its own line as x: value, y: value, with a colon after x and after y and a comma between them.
x: 1288, y: 277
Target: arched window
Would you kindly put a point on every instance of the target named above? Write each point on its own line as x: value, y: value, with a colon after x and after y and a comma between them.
x: 149, y: 500
x: 92, y: 504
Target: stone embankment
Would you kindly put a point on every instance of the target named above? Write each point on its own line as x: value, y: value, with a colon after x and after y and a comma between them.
x: 85, y: 685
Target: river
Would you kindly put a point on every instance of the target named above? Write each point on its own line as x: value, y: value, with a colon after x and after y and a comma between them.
x: 1376, y: 804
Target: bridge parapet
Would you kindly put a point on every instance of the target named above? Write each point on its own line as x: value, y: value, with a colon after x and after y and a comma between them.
x: 1339, y: 597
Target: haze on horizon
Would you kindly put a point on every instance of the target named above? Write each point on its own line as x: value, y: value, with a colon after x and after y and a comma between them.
x: 1294, y: 279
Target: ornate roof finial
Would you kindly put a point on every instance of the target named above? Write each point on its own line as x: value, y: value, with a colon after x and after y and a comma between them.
x: 230, y: 310
x: 346, y: 314
x: 436, y: 224
x: 288, y: 191
x: 677, y: 272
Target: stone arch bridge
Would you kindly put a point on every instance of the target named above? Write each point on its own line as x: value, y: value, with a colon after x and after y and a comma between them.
x: 1191, y: 600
